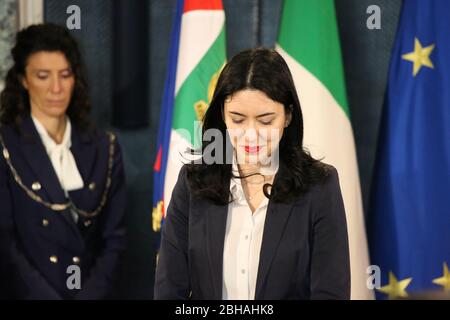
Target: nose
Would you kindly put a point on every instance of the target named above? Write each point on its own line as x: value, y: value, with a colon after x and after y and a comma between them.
x: 56, y: 86
x: 251, y: 134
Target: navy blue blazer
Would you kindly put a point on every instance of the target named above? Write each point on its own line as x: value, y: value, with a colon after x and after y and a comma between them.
x: 5, y: 268
x: 41, y: 243
x: 304, y: 252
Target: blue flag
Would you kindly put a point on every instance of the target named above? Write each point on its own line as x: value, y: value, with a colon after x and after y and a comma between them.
x: 165, y: 123
x: 409, y: 224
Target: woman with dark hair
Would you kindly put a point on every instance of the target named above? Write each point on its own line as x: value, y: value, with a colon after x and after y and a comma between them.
x: 265, y: 221
x: 62, y: 189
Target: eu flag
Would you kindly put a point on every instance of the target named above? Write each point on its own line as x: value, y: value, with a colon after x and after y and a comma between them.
x: 410, y: 214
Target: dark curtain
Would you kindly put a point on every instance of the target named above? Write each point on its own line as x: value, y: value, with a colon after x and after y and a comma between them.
x: 130, y: 61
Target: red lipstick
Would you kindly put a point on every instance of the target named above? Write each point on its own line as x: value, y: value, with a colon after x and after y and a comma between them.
x: 252, y: 149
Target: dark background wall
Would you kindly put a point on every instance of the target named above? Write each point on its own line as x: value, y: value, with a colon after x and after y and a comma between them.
x: 249, y: 23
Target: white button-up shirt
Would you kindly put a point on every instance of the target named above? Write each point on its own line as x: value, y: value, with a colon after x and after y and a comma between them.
x: 243, y: 238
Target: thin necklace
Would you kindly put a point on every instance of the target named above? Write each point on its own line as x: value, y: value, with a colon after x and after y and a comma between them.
x: 253, y: 195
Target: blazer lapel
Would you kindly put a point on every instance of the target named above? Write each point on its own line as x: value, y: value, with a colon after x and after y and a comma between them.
x: 37, y: 158
x: 85, y: 153
x: 215, y: 235
x: 276, y: 219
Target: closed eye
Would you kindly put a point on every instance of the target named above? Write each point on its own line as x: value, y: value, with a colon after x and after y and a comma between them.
x: 42, y: 75
x: 66, y: 74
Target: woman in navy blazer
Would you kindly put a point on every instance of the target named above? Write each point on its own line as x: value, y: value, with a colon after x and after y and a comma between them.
x: 243, y: 228
x: 62, y: 190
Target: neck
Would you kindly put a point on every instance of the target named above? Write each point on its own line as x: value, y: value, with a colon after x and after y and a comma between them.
x: 55, y: 126
x: 251, y: 169
x: 250, y: 176
x: 257, y: 169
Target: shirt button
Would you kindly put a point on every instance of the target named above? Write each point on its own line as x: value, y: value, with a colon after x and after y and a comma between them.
x: 87, y: 223
x: 53, y: 259
x: 243, y: 271
x: 92, y: 186
x: 45, y: 222
x: 246, y: 237
x: 76, y: 260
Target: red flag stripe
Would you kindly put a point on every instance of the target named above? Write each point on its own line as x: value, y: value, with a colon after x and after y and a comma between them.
x: 157, y: 165
x: 190, y: 5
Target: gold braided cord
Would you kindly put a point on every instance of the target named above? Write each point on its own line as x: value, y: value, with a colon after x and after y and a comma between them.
x: 58, y: 207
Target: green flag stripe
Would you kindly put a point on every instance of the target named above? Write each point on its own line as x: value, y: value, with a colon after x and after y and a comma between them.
x: 309, y: 33
x: 195, y: 87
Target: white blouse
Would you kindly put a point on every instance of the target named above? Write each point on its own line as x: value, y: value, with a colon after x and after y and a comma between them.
x: 243, y: 238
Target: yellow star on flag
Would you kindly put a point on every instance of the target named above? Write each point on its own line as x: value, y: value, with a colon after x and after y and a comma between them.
x: 420, y: 56
x: 395, y: 288
x: 444, y: 280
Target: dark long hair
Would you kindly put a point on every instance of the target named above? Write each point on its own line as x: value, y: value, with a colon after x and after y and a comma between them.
x: 14, y: 99
x: 264, y: 70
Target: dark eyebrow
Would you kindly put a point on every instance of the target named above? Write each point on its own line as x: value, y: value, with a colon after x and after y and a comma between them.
x: 258, y: 116
x: 237, y: 113
x: 265, y: 114
x: 46, y: 70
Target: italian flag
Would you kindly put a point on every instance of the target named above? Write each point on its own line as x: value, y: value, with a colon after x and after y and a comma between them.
x: 309, y: 42
x: 197, y: 57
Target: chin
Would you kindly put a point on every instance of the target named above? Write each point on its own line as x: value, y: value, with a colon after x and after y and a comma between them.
x: 56, y: 111
x: 246, y: 158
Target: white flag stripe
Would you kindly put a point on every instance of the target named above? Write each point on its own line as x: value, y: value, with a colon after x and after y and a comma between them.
x: 199, y: 30
x: 328, y: 134
x: 174, y: 163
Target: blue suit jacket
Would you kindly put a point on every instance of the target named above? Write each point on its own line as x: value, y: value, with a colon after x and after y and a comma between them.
x: 304, y: 252
x: 33, y: 233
